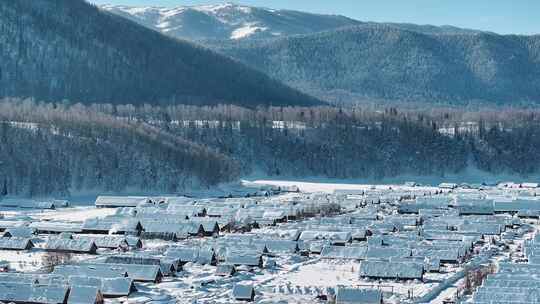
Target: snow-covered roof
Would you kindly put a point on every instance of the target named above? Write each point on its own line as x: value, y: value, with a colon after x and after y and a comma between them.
x: 112, y: 224
x: 280, y: 246
x: 57, y: 227
x: 476, y: 208
x: 15, y: 243
x: 21, y: 232
x: 243, y: 292
x: 342, y: 252
x: 87, y: 270
x: 109, y: 287
x: 516, y: 205
x: 25, y: 203
x: 225, y: 270
x: 221, y: 211
x: 120, y: 201
x: 333, y: 236
x: 182, y: 230
x: 72, y: 245
x: 448, y: 186
x: 134, y: 241
x: 358, y: 296
x: 9, y: 223
x: 191, y: 254
x: 31, y: 293
x: 186, y: 208
x: 378, y: 252
x: 391, y: 270
x: 138, y: 272
x: 482, y: 228
x: 449, y: 255
x: 106, y: 241
x: 253, y: 259
x: 84, y: 295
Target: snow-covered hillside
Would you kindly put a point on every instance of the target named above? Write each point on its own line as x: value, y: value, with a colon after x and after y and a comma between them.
x: 228, y: 21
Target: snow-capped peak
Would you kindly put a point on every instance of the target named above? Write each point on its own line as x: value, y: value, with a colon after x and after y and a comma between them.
x: 227, y: 21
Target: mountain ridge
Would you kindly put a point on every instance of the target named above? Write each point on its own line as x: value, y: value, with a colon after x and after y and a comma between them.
x: 381, y: 62
x: 71, y: 50
x: 237, y: 22
x: 356, y: 62
x: 228, y: 21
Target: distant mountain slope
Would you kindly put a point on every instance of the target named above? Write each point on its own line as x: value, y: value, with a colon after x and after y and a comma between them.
x: 343, y: 60
x: 69, y: 49
x: 386, y: 63
x: 229, y: 21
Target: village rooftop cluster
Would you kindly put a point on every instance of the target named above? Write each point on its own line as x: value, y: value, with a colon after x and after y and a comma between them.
x: 371, y: 244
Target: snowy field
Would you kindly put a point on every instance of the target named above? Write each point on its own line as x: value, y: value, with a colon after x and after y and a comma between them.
x: 320, y: 243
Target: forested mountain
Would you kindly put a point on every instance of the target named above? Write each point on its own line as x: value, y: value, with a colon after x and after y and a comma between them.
x: 70, y: 50
x: 353, y: 61
x: 228, y: 21
x: 386, y: 63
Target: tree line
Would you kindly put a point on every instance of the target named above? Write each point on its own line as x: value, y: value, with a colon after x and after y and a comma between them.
x: 65, y: 148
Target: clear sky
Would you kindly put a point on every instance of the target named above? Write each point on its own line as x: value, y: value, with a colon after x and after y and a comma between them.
x: 500, y: 16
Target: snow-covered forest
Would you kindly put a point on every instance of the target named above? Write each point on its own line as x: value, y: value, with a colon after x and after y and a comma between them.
x: 149, y: 148
x: 55, y: 149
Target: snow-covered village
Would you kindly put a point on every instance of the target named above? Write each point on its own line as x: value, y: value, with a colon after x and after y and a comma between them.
x: 409, y: 243
x: 269, y: 151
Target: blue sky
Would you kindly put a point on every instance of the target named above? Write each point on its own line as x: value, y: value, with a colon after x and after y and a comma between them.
x: 500, y: 16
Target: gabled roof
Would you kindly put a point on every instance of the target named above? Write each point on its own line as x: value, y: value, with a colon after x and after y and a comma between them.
x: 225, y: 270
x: 183, y: 254
x: 274, y: 214
x: 56, y: 226
x: 142, y: 273
x: 342, y: 252
x: 243, y: 258
x: 120, y: 201
x: 450, y: 254
x: 90, y: 270
x: 15, y: 243
x: 84, y: 295
x: 31, y: 293
x: 10, y: 223
x: 134, y: 241
x: 21, y: 232
x: 109, y: 287
x: 516, y: 205
x: 106, y: 241
x: 280, y: 246
x: 209, y: 225
x: 333, y: 236
x: 479, y: 209
x: 378, y: 252
x: 391, y: 270
x: 186, y: 208
x: 243, y: 292
x: 183, y: 229
x: 221, y: 211
x: 358, y: 296
x: 112, y: 224
x: 482, y: 228
x: 74, y: 245
x: 25, y: 203
x: 132, y: 259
